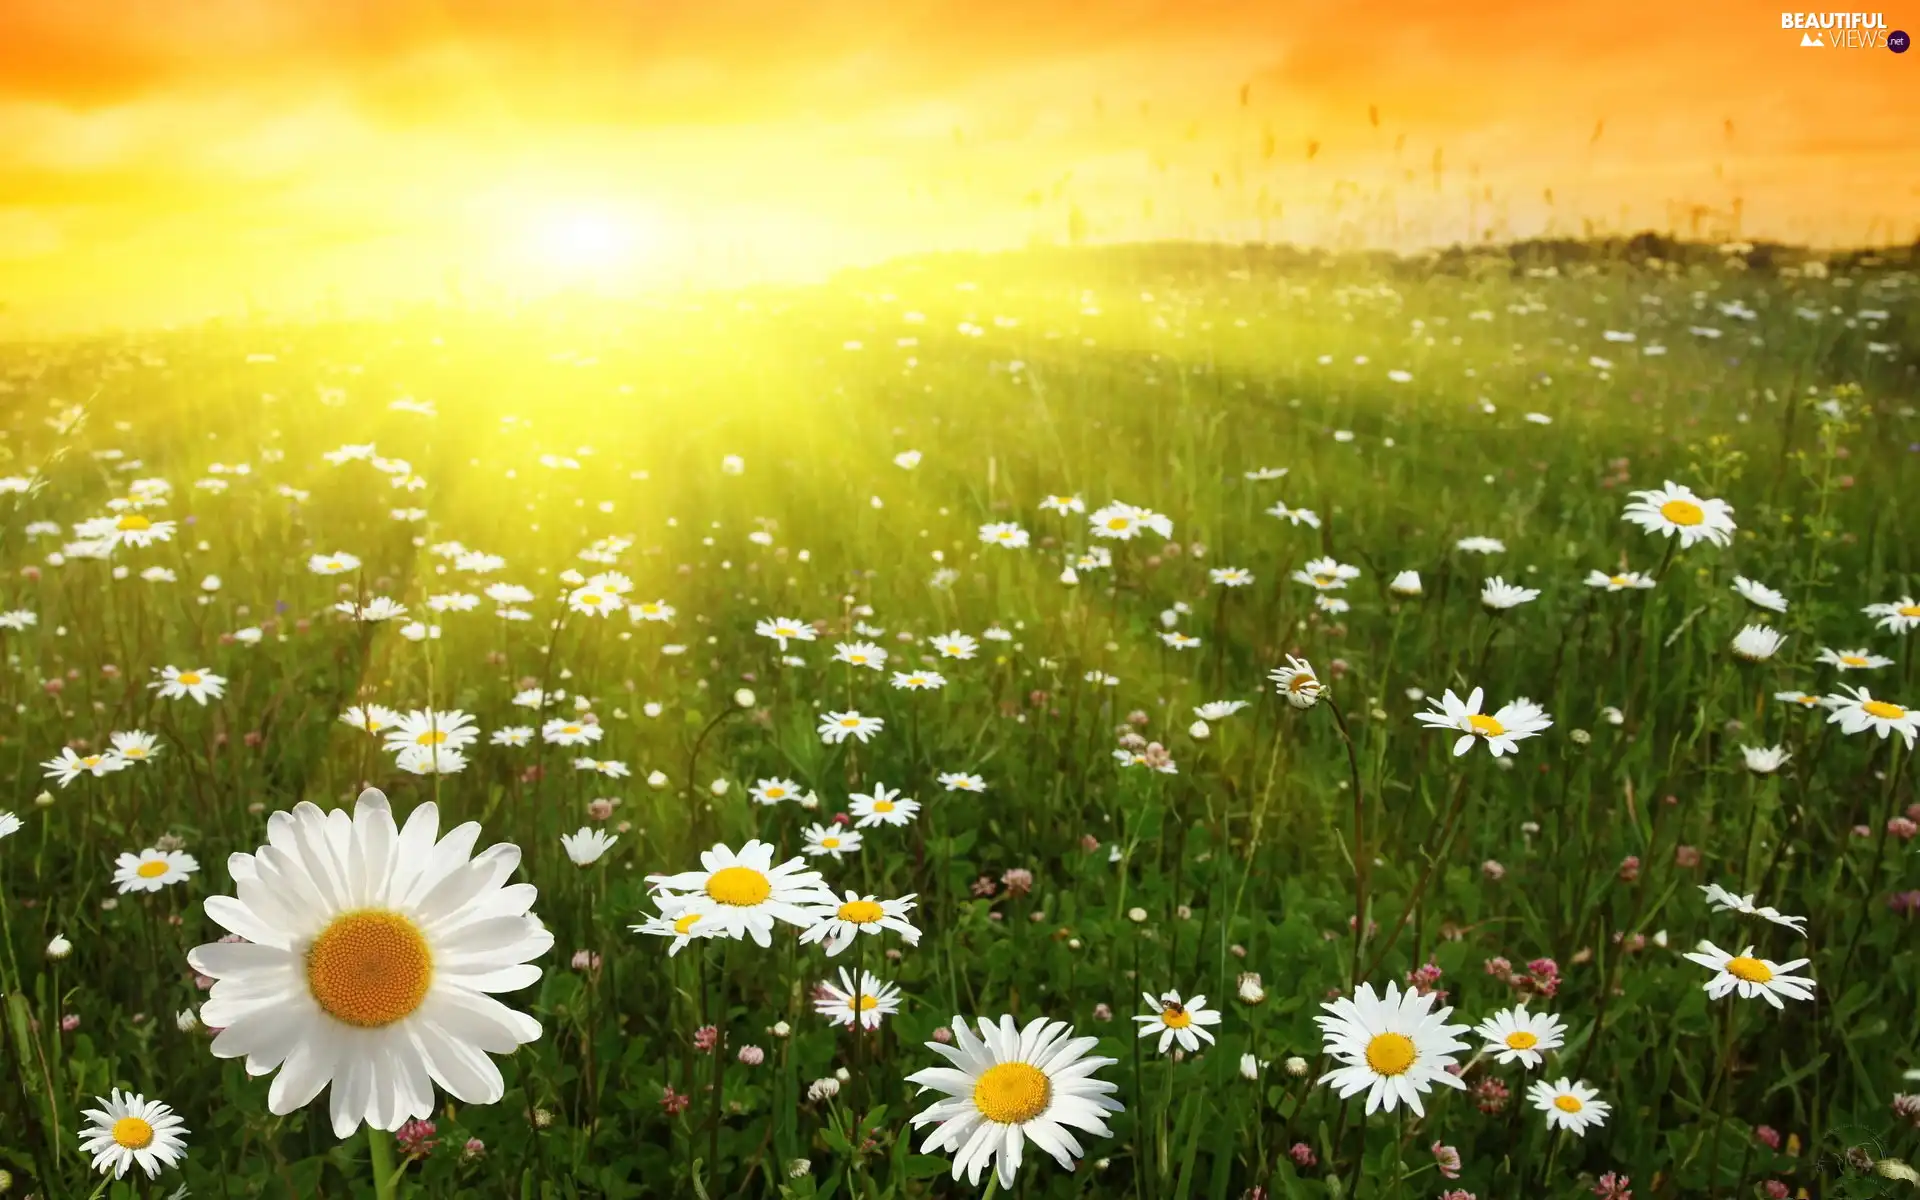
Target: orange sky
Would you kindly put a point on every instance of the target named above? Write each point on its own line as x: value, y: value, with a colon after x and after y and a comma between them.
x: 167, y: 160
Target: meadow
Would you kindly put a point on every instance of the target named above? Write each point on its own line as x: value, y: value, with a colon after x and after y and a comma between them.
x: 1330, y: 668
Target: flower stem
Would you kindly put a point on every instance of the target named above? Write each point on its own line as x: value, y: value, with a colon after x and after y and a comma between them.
x: 380, y: 1159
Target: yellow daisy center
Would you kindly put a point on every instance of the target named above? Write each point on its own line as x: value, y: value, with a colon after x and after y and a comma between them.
x: 864, y: 1002
x: 1173, y: 1016
x: 1618, y: 580
x: 132, y: 1133
x: 133, y: 523
x: 1810, y: 701
x: 883, y: 806
x: 188, y: 677
x: 1682, y: 512
x: 856, y: 658
x: 1485, y: 726
x: 742, y: 887
x: 152, y: 869
x: 589, y: 600
x: 1323, y: 580
x: 1883, y: 710
x: 1012, y: 1093
x: 1853, y: 660
x: 1116, y: 523
x: 1750, y: 969
x: 776, y: 793
x: 1568, y: 1103
x: 1390, y: 1053
x: 685, y: 922
x: 861, y: 912
x: 369, y: 968
x: 569, y: 729
x: 1303, y: 682
x: 91, y: 760
x: 372, y: 724
x: 432, y: 737
x: 133, y: 752
x: 1520, y: 1039
x: 849, y: 722
x: 1909, y: 610
x: 831, y: 843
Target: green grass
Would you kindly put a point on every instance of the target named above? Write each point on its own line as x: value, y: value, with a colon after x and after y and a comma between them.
x: 1158, y: 376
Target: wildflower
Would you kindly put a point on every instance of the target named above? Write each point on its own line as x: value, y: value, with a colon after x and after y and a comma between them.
x: 1571, y: 1106
x: 1675, y: 511
x: 868, y: 1005
x: 1497, y: 594
x: 1392, y: 1047
x: 129, y: 1129
x: 1751, y: 976
x: 585, y: 846
x: 1179, y: 1021
x: 1502, y: 731
x: 1297, y: 682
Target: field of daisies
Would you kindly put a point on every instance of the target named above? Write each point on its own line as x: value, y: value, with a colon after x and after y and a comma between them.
x: 1154, y: 724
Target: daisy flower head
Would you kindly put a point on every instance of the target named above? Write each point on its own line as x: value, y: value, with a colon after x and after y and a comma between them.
x: 426, y: 727
x: 1499, y: 595
x: 1480, y: 545
x: 585, y: 846
x: 198, y: 685
x: 881, y: 807
x: 860, y: 654
x: 1751, y: 976
x: 374, y: 718
x: 1233, y: 577
x: 1759, y: 594
x: 1297, y: 682
x: 1393, y: 1047
x: 960, y: 781
x: 68, y: 766
x: 837, y: 924
x: 1004, y: 533
x: 744, y: 893
x: 1406, y: 583
x: 1858, y: 712
x: 1120, y: 522
x: 1673, y: 510
x: 380, y: 608
x: 954, y: 645
x: 1502, y: 730
x: 1757, y: 643
x: 370, y: 955
x: 784, y: 630
x: 837, y: 727
x: 1624, y: 581
x: 919, y: 681
x: 1516, y: 1035
x: 1803, y: 699
x: 773, y: 791
x: 332, y: 564
x: 1218, y: 710
x: 1852, y: 660
x: 1064, y: 504
x: 650, y: 610
x: 1295, y: 516
x: 1330, y: 604
x: 681, y: 918
x: 1180, y: 641
x: 1571, y: 1106
x: 9, y: 823
x: 1719, y: 899
x: 1265, y: 474
x: 1325, y: 574
x: 1765, y: 760
x: 511, y: 735
x: 150, y: 870
x: 594, y: 601
x: 869, y: 1004
x: 1901, y: 616
x: 612, y: 768
x: 562, y: 732
x: 1007, y: 1084
x: 831, y: 840
x: 1177, y: 1021
x: 128, y: 529
x: 130, y: 1130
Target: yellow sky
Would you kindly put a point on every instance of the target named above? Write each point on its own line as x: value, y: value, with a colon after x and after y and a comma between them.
x: 165, y: 161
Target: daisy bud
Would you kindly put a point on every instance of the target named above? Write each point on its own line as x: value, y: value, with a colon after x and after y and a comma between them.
x: 1069, y: 577
x: 1249, y: 1067
x: 185, y: 1021
x: 1199, y: 731
x: 779, y: 1029
x: 1296, y: 1066
x: 43, y: 800
x: 718, y: 787
x: 1580, y: 736
x: 744, y: 698
x: 1136, y: 915
x: 59, y: 948
x: 657, y: 779
x: 1251, y: 990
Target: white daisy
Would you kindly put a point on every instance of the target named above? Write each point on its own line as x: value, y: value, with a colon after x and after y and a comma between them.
x: 1178, y: 1021
x: 1757, y: 643
x: 1393, y: 1048
x: 1514, y: 1034
x: 773, y: 791
x: 1852, y: 660
x: 1233, y: 577
x: 1901, y: 616
x: 784, y: 630
x: 198, y: 685
x: 1004, y: 533
x: 837, y: 727
x: 860, y: 654
x: 1480, y: 545
x: 1180, y: 641
x: 1008, y: 1085
x: 1621, y: 582
x: 881, y: 807
x: 369, y: 957
x: 869, y: 1004
x: 1751, y: 976
x: 585, y: 846
x: 1064, y: 504
x: 1497, y: 594
x: 919, y: 681
x: 68, y: 766
x: 511, y: 735
x: 374, y: 718
x: 650, y: 610
x: 954, y: 645
x: 1520, y: 719
x: 1406, y: 583
x: 1297, y: 682
x: 562, y: 732
x: 426, y: 727
x: 9, y: 823
x: 745, y: 893
x: 1218, y: 710
x: 1325, y: 574
x: 1860, y: 712
x: 1571, y: 1106
x: 1759, y: 594
x: 1675, y: 511
x: 1723, y: 900
x: 1295, y: 516
x: 1765, y: 760
x: 838, y: 923
x: 831, y: 839
x: 151, y: 870
x: 332, y: 564
x: 960, y: 781
x: 129, y: 1129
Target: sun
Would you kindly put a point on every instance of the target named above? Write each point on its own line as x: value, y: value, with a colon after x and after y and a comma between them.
x: 582, y: 242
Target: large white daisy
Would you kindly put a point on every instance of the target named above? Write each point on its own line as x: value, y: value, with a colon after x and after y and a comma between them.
x: 836, y: 925
x: 127, y: 1129
x: 1675, y: 511
x: 369, y: 960
x: 1520, y: 719
x: 1393, y: 1048
x: 1751, y: 976
x: 747, y: 893
x: 1009, y: 1085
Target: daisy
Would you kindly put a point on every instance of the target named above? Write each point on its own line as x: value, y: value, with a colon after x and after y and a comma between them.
x: 1330, y: 604
x: 831, y: 839
x: 1572, y: 1106
x: 1803, y: 699
x: 425, y: 727
x: 1516, y: 1034
x: 1265, y: 474
x: 430, y: 760
x: 681, y: 919
x: 1759, y: 594
x: 70, y: 766
x: 9, y: 824
x: 870, y: 1003
x: 135, y: 746
x: 744, y: 893
x: 585, y: 846
x: 368, y: 957
x: 773, y: 791
x: 332, y: 564
x: 1480, y: 545
x: 1757, y: 643
x: 199, y: 685
x: 881, y: 807
x: 1004, y: 533
x: 1064, y: 504
x: 1723, y: 900
x: 562, y: 732
x: 837, y: 727
x: 1295, y: 516
x: 380, y: 608
x: 1498, y: 594
x: 954, y: 645
x: 446, y: 602
x: 1624, y: 581
x: 1180, y: 641
x: 1520, y: 719
x: 1216, y: 710
x: 127, y: 529
x: 1177, y: 1021
x: 1902, y: 616
x: 1007, y: 1085
x: 1765, y: 760
x: 1325, y: 574
x: 839, y: 923
x: 1751, y: 976
x: 1232, y: 577
x: 612, y: 768
x: 1406, y: 583
x: 1675, y: 511
x: 511, y: 735
x: 129, y: 1129
x: 372, y: 717
x: 19, y: 619
x: 1393, y: 1048
x: 922, y: 681
x: 1297, y: 682
x: 785, y: 629
x: 860, y: 654
x: 1852, y: 660
x: 151, y: 870
x: 1860, y: 712
x: 959, y: 781
x: 1117, y: 521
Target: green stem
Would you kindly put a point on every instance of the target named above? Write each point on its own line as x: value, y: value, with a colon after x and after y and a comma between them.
x: 380, y: 1157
